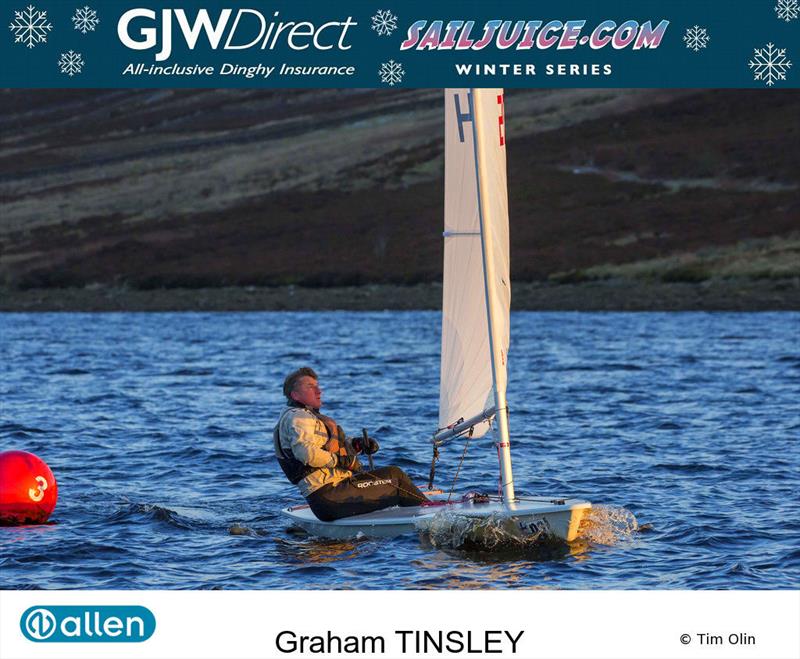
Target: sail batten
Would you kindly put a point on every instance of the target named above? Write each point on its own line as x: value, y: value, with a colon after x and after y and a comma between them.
x: 467, y: 383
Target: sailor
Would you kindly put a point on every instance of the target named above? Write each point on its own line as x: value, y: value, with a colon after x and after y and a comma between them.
x: 317, y: 456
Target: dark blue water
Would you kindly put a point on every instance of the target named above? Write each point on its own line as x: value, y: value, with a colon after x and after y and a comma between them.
x: 158, y: 429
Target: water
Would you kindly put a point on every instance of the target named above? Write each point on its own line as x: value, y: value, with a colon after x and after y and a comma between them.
x: 158, y: 429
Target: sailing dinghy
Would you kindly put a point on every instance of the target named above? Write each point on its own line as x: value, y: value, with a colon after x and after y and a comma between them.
x: 475, y: 334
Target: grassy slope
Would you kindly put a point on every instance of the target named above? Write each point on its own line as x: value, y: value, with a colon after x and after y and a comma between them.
x: 153, y: 189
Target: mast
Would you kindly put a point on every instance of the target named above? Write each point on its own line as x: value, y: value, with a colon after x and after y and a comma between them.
x: 492, y: 307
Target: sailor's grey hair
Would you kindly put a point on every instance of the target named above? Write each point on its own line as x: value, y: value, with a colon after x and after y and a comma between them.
x: 290, y: 382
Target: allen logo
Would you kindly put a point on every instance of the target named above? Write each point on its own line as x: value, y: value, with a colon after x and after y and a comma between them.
x: 87, y: 624
x: 39, y: 624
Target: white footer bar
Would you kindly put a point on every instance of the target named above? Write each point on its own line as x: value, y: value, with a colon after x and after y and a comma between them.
x: 393, y: 624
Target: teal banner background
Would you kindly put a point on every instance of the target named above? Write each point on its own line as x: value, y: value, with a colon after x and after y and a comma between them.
x: 738, y: 35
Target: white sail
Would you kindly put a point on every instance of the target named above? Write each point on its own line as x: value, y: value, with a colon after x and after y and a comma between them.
x: 466, y: 367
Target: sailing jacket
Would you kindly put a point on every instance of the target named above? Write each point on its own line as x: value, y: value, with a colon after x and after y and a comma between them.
x: 301, y: 435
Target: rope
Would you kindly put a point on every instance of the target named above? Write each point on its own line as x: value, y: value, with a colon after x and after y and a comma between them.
x: 556, y: 500
x: 399, y: 489
x: 433, y: 466
x: 461, y: 462
x: 452, y: 425
x: 467, y: 432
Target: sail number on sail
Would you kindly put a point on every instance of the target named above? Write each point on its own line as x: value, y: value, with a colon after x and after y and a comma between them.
x: 464, y: 116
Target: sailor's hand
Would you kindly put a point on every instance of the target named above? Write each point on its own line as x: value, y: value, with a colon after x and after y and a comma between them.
x: 348, y: 462
x: 366, y: 445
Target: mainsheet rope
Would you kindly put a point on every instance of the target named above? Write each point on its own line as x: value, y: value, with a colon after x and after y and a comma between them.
x: 461, y: 462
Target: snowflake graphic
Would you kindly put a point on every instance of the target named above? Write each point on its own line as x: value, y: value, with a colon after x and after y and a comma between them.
x: 391, y: 73
x: 696, y: 38
x: 384, y: 22
x: 769, y: 64
x: 85, y: 20
x: 30, y: 26
x: 71, y: 63
x: 787, y: 10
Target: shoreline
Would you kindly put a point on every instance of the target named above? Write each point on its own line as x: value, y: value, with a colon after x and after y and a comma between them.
x: 606, y: 295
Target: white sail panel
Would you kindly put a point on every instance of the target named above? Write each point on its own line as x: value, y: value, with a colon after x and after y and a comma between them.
x: 466, y: 376
x: 493, y: 150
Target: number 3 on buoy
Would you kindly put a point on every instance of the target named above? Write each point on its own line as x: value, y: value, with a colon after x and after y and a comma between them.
x: 28, y: 489
x: 38, y: 495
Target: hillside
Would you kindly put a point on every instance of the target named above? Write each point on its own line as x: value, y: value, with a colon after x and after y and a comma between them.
x: 170, y: 188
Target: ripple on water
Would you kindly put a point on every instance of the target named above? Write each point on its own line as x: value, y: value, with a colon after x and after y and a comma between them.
x: 158, y: 428
x: 149, y: 512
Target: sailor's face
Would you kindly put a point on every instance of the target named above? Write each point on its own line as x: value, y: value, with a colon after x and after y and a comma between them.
x: 307, y: 392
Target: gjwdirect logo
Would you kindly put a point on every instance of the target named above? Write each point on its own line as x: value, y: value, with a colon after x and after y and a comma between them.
x: 142, y: 29
x: 87, y: 624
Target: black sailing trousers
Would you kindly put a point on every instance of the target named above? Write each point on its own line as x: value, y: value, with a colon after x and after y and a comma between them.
x: 364, y: 493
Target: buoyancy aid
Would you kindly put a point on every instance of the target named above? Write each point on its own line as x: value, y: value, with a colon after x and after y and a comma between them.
x: 336, y: 437
x: 294, y: 469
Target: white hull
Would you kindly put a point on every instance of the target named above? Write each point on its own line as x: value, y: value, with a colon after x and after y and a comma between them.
x: 558, y: 517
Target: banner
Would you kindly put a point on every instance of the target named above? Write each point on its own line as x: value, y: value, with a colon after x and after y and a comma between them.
x: 235, y: 43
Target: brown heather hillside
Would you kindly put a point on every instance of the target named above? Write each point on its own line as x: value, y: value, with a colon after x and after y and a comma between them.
x: 153, y: 189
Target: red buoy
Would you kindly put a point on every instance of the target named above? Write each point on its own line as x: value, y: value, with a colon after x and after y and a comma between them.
x: 28, y: 490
